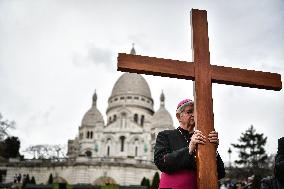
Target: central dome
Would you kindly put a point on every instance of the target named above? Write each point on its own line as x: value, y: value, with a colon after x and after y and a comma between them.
x: 131, y: 83
x: 130, y: 90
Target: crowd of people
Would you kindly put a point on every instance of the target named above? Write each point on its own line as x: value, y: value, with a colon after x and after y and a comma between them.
x: 232, y: 184
x: 23, y: 179
x: 276, y: 181
x: 17, y: 178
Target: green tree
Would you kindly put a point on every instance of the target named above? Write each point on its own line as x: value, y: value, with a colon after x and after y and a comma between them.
x: 28, y: 178
x: 26, y: 181
x: 145, y: 182
x: 33, y: 180
x: 252, y: 154
x: 155, y: 181
x: 50, y: 179
x: 148, y: 183
x: 11, y: 147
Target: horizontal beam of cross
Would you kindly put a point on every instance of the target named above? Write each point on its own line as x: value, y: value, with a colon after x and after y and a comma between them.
x: 185, y: 70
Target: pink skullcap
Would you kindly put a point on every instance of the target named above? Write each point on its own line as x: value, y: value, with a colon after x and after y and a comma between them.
x: 182, y: 104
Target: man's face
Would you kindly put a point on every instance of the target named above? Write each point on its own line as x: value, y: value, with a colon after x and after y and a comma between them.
x: 186, y: 118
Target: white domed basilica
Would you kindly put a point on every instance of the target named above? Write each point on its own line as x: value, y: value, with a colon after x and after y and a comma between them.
x: 118, y: 150
x: 131, y: 125
x: 131, y: 128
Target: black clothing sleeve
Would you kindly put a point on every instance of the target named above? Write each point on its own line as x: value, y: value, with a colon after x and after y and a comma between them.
x: 279, y: 168
x: 169, y: 160
x: 171, y: 154
x: 220, y: 167
x: 266, y: 183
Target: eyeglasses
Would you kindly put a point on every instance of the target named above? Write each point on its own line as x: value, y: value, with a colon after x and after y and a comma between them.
x: 189, y: 111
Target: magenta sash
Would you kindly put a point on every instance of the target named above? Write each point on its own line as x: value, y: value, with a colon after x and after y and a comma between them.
x: 179, y: 180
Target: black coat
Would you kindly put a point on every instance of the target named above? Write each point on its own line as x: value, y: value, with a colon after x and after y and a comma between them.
x: 276, y: 182
x: 271, y: 183
x: 172, y: 154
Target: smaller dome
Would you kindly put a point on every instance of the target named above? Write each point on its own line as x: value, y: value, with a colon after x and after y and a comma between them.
x: 93, y: 116
x: 162, y: 118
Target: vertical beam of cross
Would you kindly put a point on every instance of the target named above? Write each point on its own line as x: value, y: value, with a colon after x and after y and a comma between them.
x: 203, y: 109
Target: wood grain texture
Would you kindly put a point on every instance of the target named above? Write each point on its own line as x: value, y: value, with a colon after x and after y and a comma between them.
x: 246, y: 78
x: 203, y: 109
x: 185, y: 70
x: 155, y: 66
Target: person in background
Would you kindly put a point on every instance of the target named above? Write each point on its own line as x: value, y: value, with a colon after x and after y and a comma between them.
x: 175, y: 150
x: 276, y: 182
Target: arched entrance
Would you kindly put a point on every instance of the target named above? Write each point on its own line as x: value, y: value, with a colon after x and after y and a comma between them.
x: 88, y: 154
x: 104, y: 180
x: 59, y: 179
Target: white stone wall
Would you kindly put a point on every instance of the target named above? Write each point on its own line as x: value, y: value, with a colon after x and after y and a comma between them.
x: 88, y: 174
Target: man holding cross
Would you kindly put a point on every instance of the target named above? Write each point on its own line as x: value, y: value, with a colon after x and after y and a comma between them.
x: 203, y: 74
x: 175, y: 150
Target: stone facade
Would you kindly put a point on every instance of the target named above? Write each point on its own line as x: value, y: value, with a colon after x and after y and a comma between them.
x: 83, y: 170
x: 119, y: 150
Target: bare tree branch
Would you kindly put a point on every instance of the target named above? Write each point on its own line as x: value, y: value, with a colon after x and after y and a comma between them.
x: 5, y: 126
x: 46, y: 151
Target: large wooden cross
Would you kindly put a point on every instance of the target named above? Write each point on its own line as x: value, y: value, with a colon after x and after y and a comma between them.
x: 203, y: 74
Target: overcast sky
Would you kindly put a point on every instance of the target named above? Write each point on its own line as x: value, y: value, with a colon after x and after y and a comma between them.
x: 54, y: 54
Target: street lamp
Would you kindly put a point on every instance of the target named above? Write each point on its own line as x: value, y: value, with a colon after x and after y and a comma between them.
x: 229, y: 151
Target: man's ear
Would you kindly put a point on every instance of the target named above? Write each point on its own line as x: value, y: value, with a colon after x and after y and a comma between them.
x: 178, y: 115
